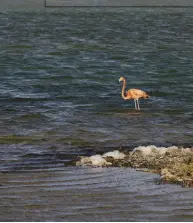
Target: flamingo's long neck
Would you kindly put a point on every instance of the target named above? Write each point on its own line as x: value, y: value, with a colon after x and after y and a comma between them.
x: 123, y: 89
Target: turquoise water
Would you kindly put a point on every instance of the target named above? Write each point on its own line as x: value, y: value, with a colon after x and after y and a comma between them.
x: 59, y: 90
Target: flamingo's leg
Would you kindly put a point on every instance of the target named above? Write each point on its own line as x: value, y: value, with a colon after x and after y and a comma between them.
x: 138, y: 104
x: 135, y: 104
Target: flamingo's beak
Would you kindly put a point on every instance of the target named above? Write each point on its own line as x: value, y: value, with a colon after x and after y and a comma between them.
x: 120, y: 80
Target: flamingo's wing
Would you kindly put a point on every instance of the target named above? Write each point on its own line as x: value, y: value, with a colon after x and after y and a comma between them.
x: 135, y: 93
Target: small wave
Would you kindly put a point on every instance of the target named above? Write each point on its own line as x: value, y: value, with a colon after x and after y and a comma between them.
x: 20, y: 46
x: 17, y: 139
x: 33, y: 116
x: 74, y: 141
x: 21, y: 99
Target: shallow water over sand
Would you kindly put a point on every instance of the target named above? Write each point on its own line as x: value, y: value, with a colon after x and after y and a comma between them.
x: 92, y: 194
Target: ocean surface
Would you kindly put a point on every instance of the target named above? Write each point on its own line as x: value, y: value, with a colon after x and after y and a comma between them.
x: 60, y: 98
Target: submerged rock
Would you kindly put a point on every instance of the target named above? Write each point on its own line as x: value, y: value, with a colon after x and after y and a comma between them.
x: 179, y: 173
x: 175, y: 165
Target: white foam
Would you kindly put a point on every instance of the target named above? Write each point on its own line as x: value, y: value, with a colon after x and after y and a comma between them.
x: 95, y: 160
x: 145, y: 150
x: 115, y: 154
x: 98, y: 160
x: 148, y: 150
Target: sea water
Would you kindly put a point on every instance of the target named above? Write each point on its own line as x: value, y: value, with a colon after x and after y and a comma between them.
x: 60, y: 98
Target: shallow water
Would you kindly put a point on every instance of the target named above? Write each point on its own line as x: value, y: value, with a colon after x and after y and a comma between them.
x: 91, y: 194
x: 60, y: 98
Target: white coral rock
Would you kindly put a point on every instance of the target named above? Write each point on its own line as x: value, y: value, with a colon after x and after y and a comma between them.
x: 95, y: 160
x: 115, y: 154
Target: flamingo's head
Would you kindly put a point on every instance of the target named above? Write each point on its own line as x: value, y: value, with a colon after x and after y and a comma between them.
x: 121, y: 79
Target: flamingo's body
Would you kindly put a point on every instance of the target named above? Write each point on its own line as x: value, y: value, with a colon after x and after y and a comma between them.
x: 132, y: 94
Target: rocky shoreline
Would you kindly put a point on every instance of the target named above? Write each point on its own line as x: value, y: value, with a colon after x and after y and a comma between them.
x: 174, y: 164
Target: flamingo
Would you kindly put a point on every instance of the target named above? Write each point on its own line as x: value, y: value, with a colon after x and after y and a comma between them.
x: 132, y: 94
